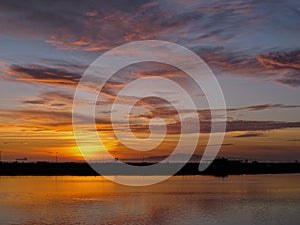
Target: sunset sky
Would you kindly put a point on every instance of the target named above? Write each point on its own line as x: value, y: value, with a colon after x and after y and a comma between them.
x: 252, y: 47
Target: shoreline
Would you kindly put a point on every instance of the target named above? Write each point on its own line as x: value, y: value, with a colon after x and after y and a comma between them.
x: 220, y: 168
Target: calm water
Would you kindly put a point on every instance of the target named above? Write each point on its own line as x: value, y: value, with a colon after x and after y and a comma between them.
x: 258, y: 199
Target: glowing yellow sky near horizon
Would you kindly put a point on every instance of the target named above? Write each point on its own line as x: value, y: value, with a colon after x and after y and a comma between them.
x: 42, y: 146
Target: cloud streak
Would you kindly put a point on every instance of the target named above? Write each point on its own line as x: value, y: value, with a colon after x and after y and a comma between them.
x: 247, y: 135
x: 287, y: 64
x: 43, y: 74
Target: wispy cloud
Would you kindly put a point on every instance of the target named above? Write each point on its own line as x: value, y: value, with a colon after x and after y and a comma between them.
x: 50, y: 100
x: 294, y: 140
x: 285, y: 64
x: 43, y: 74
x: 282, y: 67
x: 247, y: 135
x: 264, y: 107
x: 46, y: 121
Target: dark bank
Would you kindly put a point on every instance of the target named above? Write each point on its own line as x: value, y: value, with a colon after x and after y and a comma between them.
x: 220, y: 167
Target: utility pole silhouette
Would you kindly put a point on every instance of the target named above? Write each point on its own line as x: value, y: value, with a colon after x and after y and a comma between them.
x: 56, y: 157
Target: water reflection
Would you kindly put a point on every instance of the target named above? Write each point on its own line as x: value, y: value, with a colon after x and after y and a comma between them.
x: 258, y: 199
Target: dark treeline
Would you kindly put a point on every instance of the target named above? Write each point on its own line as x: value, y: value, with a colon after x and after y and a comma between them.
x: 219, y: 167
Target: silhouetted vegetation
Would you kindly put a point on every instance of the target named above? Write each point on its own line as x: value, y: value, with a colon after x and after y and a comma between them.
x: 219, y: 167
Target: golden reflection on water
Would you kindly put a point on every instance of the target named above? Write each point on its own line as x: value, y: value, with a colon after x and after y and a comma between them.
x: 257, y: 199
